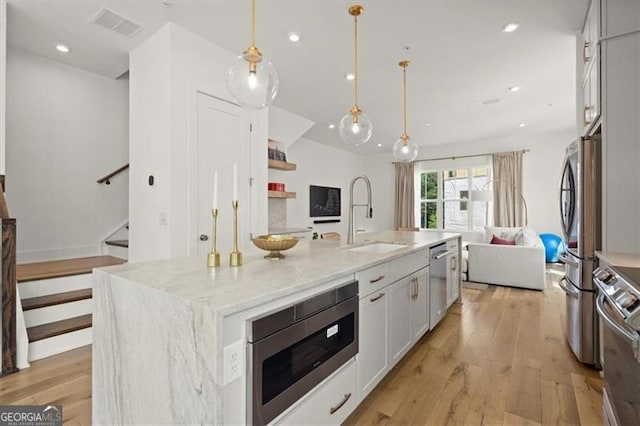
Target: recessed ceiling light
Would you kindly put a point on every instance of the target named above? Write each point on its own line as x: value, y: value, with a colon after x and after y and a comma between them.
x: 514, y: 88
x: 510, y: 27
x: 62, y: 48
x: 379, y: 145
x: 294, y: 37
x: 428, y: 124
x: 521, y: 125
x: 489, y: 101
x: 350, y: 77
x: 332, y: 126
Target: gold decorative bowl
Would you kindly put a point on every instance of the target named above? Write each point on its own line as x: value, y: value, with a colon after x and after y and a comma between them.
x: 274, y: 244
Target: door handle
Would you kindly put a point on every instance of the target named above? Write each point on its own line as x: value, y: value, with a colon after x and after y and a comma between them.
x: 585, y: 57
x: 378, y: 297
x: 204, y: 237
x: 567, y: 259
x: 340, y: 404
x: 441, y: 255
x: 375, y: 280
x: 570, y: 291
x: 454, y: 263
x: 619, y: 330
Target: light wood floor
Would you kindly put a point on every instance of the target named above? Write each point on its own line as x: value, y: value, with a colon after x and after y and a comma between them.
x: 500, y: 357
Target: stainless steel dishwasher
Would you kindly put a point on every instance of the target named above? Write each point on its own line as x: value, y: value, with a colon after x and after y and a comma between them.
x: 437, y: 283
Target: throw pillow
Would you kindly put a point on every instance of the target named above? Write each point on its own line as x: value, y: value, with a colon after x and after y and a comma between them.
x: 505, y: 233
x: 502, y: 241
x: 527, y: 237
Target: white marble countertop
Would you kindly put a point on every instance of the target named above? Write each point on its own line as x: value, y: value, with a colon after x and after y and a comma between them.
x: 620, y: 259
x: 279, y: 231
x: 227, y: 290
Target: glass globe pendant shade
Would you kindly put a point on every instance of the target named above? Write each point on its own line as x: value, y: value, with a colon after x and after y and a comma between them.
x: 252, y: 89
x: 404, y: 150
x: 355, y: 132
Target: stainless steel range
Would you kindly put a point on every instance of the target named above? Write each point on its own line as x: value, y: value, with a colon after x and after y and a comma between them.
x: 618, y: 306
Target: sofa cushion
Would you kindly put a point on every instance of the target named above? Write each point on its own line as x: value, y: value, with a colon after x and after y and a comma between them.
x: 527, y: 237
x: 506, y: 233
x: 502, y: 241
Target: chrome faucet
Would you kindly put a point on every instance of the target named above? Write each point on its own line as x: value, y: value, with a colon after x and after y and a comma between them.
x: 352, y: 233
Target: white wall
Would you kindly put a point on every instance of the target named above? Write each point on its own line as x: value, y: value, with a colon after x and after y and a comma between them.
x: 541, y: 174
x: 320, y: 164
x: 65, y: 128
x: 167, y: 72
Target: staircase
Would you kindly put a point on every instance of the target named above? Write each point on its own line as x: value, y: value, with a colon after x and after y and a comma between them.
x: 117, y: 242
x: 57, y: 303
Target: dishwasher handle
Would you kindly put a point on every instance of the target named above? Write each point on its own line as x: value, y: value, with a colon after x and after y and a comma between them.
x: 441, y: 254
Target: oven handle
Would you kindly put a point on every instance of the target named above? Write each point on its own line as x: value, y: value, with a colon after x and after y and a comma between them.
x: 613, y: 325
x: 340, y: 404
x: 567, y: 259
x: 570, y: 291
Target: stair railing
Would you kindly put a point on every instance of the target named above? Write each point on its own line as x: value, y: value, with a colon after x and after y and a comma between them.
x: 8, y: 260
x: 107, y: 179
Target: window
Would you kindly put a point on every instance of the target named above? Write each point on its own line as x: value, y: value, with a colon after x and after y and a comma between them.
x: 444, y: 198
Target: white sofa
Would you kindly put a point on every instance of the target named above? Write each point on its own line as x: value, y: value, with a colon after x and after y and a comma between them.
x: 522, y: 265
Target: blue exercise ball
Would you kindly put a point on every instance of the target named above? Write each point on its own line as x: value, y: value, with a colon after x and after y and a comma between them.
x: 553, y: 246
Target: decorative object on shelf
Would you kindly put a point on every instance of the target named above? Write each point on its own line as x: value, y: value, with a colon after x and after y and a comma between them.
x: 275, y: 151
x: 355, y: 127
x: 213, y: 258
x: 252, y: 80
x: 274, y: 244
x: 275, y: 186
x: 405, y: 150
x: 235, y: 257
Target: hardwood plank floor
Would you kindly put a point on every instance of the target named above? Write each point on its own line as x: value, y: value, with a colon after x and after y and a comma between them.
x: 498, y: 358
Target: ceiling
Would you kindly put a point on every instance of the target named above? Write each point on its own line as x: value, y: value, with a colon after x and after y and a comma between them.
x: 459, y: 58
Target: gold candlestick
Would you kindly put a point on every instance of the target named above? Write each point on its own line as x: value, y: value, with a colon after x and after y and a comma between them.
x: 235, y: 257
x: 213, y: 258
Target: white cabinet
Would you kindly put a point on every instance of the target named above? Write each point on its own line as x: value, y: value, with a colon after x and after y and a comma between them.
x: 330, y: 404
x: 400, y: 338
x: 589, y: 104
x: 372, y: 353
x: 420, y: 305
x: 453, y: 272
x: 393, y: 315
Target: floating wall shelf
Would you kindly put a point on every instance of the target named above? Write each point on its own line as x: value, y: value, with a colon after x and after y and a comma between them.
x: 281, y: 194
x: 281, y: 165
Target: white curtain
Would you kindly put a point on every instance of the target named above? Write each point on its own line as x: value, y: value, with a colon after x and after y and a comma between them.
x: 404, y: 212
x: 508, y: 201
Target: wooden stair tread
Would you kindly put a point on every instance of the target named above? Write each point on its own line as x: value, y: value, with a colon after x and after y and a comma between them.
x: 63, y: 268
x: 56, y: 299
x: 118, y: 243
x: 57, y: 328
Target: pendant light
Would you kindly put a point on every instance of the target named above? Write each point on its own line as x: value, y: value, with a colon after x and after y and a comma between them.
x: 252, y: 80
x: 355, y: 127
x: 404, y: 150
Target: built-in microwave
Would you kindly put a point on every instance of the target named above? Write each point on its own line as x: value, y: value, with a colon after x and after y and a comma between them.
x: 296, y: 348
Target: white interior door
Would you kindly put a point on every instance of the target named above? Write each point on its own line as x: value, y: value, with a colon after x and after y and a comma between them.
x: 223, y: 139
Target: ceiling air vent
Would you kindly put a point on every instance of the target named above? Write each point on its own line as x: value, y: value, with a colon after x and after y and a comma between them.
x: 113, y: 21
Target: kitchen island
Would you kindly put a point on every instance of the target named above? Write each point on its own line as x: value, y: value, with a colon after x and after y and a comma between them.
x: 165, y: 332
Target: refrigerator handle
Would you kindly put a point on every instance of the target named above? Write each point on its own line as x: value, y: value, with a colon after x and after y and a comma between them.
x: 567, y: 259
x: 570, y: 291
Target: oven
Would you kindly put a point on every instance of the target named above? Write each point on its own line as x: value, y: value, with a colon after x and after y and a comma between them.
x: 618, y: 306
x: 293, y: 350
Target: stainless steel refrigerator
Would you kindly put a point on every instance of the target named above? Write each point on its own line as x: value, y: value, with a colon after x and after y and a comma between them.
x: 580, y: 207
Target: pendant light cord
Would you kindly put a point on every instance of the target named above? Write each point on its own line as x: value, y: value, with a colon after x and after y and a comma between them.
x: 404, y: 106
x: 253, y: 23
x: 356, y: 61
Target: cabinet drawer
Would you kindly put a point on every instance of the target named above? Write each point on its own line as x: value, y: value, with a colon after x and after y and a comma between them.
x: 408, y: 264
x: 452, y: 245
x: 330, y: 403
x: 373, y: 279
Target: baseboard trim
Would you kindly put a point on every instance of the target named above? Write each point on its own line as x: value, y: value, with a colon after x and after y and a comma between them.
x: 44, y: 255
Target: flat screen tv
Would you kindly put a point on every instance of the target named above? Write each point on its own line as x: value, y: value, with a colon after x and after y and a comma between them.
x: 324, y: 201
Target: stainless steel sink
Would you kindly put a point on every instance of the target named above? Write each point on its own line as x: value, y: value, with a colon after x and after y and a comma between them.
x: 377, y: 247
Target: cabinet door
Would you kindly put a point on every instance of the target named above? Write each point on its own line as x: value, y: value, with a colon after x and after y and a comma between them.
x: 400, y: 336
x: 586, y: 108
x: 372, y: 352
x: 420, y: 305
x: 594, y: 89
x: 452, y: 281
